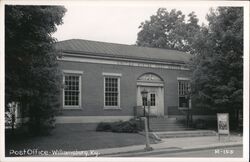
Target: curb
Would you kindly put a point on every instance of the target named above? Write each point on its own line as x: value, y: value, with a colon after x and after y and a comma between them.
x: 168, y: 150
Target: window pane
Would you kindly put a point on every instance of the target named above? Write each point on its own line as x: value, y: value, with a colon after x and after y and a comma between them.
x: 71, y: 90
x: 152, y: 99
x: 183, y: 92
x: 111, y: 91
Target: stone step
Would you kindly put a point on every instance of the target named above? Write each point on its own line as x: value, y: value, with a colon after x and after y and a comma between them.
x: 167, y: 129
x: 162, y: 118
x: 187, y: 133
x: 163, y: 121
x: 166, y: 125
x: 154, y: 122
x: 151, y: 123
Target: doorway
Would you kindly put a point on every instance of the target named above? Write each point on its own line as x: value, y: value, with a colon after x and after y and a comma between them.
x: 155, y: 89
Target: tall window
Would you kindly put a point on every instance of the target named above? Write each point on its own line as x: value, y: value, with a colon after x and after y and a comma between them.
x: 72, y: 90
x: 152, y: 99
x: 183, y: 93
x: 112, y: 94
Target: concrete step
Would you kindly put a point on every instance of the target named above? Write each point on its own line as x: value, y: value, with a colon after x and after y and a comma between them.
x: 152, y: 122
x: 186, y: 133
x: 165, y: 118
x: 168, y: 129
x: 166, y: 124
x: 173, y: 127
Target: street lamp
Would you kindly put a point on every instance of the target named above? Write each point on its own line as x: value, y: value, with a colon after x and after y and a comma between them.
x: 144, y: 94
x: 188, y: 98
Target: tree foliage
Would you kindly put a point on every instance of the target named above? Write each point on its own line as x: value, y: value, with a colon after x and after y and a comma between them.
x: 217, y: 80
x: 32, y: 77
x: 217, y: 49
x: 168, y: 30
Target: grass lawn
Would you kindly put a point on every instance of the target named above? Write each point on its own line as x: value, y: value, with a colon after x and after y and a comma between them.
x: 71, y: 137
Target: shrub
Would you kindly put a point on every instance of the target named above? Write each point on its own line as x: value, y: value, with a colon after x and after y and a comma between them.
x: 131, y: 126
x: 126, y: 127
x: 103, y: 126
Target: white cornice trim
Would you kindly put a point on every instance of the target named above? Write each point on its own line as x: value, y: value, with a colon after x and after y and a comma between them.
x: 133, y: 63
x: 73, y: 71
x: 183, y: 78
x: 142, y: 83
x: 112, y: 74
x: 124, y: 58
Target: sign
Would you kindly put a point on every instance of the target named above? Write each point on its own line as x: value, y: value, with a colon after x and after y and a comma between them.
x: 223, y: 124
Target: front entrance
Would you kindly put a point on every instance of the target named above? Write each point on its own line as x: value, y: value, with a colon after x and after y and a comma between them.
x: 154, y: 86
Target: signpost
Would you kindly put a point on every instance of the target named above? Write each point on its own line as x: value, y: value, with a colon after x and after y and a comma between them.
x: 223, y: 124
x: 144, y: 94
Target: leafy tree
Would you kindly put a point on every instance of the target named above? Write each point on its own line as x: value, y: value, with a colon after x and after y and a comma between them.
x: 217, y: 64
x: 217, y: 80
x: 168, y: 30
x: 32, y: 77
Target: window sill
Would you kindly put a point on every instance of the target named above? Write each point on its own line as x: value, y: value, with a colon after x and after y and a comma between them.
x: 72, y: 108
x: 112, y: 108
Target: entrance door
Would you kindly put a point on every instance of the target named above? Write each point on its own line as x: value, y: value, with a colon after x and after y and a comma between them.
x: 154, y: 85
x: 155, y: 96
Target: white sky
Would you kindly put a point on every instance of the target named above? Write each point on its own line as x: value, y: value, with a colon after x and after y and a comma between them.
x: 111, y: 23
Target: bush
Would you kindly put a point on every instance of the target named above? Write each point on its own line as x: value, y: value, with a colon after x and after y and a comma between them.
x: 127, y: 127
x: 103, y: 127
x: 131, y: 126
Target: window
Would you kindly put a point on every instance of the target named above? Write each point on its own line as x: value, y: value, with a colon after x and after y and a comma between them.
x: 152, y: 99
x: 112, y: 91
x: 183, y: 86
x: 145, y: 101
x: 72, y: 90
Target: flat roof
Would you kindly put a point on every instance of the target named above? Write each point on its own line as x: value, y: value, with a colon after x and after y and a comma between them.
x: 87, y: 47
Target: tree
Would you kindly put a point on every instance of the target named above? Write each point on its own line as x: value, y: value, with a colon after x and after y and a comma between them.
x: 32, y: 77
x: 217, y: 80
x: 168, y: 30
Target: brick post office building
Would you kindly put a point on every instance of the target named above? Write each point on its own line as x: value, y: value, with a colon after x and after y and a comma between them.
x: 103, y: 81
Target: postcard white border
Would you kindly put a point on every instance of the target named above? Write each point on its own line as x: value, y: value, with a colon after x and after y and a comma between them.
x: 167, y: 3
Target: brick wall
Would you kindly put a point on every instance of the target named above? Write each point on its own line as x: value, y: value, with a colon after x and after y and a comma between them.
x: 92, y: 88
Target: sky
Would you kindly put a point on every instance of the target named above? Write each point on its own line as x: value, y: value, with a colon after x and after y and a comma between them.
x: 113, y: 23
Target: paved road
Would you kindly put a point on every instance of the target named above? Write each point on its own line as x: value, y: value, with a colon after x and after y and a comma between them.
x: 221, y: 152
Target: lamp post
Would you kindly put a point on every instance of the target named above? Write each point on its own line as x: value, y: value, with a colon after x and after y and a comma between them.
x: 188, y: 97
x: 149, y: 103
x: 144, y: 94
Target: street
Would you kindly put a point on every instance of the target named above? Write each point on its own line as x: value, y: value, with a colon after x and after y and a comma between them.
x: 221, y: 152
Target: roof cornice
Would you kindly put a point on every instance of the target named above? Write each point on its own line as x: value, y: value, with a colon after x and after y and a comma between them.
x: 121, y: 57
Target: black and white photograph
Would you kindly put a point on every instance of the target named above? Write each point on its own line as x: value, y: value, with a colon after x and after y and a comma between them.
x: 100, y: 80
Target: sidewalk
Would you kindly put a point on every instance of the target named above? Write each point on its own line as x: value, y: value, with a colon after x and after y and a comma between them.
x: 174, y: 145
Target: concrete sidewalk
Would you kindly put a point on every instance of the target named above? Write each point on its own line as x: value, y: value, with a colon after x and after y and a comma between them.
x: 174, y: 145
